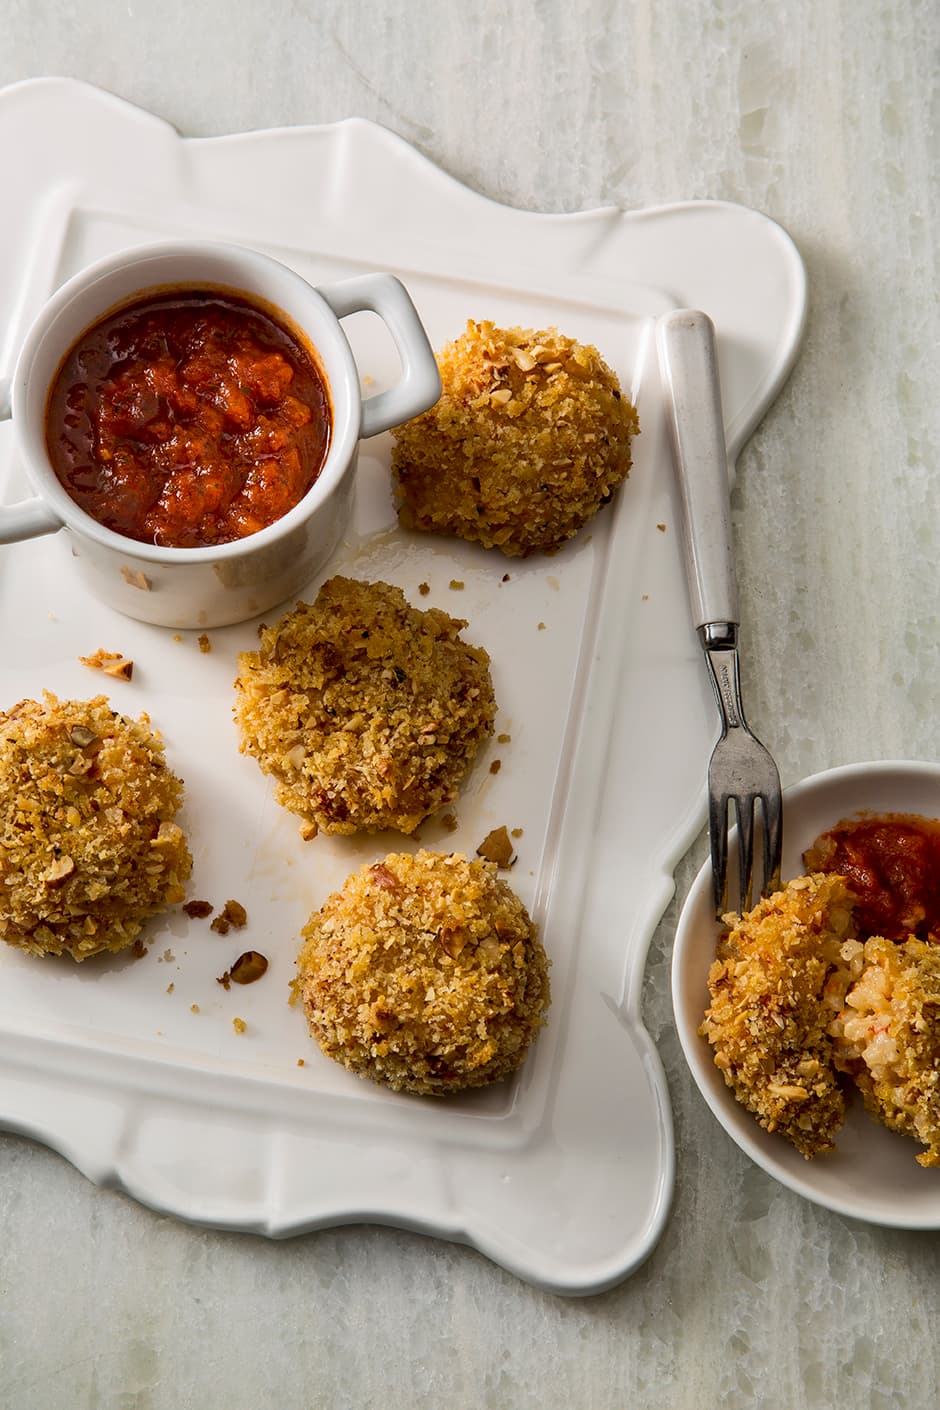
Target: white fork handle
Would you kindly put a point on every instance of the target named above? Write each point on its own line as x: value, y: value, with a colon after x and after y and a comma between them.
x: 689, y: 361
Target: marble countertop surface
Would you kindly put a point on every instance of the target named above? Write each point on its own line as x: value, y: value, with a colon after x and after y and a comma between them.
x: 825, y: 117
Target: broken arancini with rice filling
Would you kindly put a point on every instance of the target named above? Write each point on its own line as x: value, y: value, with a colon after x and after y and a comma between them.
x: 368, y: 712
x: 89, y: 848
x: 531, y: 435
x: 424, y: 973
x: 886, y: 1035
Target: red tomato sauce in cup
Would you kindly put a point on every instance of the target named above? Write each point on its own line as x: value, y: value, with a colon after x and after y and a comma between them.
x: 188, y: 418
x: 891, y: 861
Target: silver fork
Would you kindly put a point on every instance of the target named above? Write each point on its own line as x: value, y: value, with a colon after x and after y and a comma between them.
x: 741, y: 769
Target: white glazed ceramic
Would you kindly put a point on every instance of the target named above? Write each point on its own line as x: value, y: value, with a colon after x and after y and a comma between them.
x: 231, y: 582
x: 872, y: 1174
x: 563, y: 1175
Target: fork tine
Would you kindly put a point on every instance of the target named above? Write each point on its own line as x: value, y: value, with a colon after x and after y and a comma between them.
x: 718, y: 833
x: 772, y: 809
x: 744, y: 812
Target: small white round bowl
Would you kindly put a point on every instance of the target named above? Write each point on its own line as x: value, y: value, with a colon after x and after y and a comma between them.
x: 216, y: 584
x: 872, y: 1174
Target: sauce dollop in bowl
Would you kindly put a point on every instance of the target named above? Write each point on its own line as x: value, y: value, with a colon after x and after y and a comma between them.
x: 191, y: 414
x: 872, y: 1174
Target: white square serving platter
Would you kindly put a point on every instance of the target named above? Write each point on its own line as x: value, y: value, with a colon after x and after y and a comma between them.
x: 133, y: 1068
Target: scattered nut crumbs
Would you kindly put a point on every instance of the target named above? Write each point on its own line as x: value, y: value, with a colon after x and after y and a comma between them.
x: 424, y: 589
x: 248, y: 968
x: 194, y: 1008
x: 170, y: 987
x: 301, y: 1063
x: 449, y: 821
x: 138, y: 949
x: 516, y: 832
x: 661, y: 528
x: 135, y: 578
x: 205, y: 646
x: 505, y: 578
x: 239, y: 1025
x: 496, y: 765
x: 233, y: 913
x: 503, y: 738
x: 456, y: 584
x: 541, y: 626
x: 167, y: 956
x: 496, y: 847
x: 177, y: 636
x: 198, y: 910
x: 113, y: 663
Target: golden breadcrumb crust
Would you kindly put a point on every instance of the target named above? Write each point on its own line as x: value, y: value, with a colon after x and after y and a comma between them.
x: 771, y: 1006
x: 887, y: 1037
x: 368, y: 712
x: 531, y: 435
x: 88, y: 844
x: 424, y: 973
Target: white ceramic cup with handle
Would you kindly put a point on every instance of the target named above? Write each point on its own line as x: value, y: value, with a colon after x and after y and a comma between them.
x: 219, y: 584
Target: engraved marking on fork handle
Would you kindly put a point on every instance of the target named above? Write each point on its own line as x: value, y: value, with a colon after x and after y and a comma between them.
x: 719, y: 640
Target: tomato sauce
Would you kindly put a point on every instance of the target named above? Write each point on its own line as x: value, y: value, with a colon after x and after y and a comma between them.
x: 892, y: 864
x: 188, y: 418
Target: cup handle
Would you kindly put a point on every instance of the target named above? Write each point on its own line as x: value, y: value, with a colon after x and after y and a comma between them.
x: 420, y: 383
x: 29, y: 517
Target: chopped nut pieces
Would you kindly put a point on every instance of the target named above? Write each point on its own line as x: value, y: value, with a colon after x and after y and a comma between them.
x: 456, y: 585
x: 248, y: 968
x: 496, y: 847
x: 233, y: 913
x: 495, y: 766
x: 503, y: 738
x: 424, y: 589
x: 135, y: 578
x: 198, y: 910
x: 111, y: 662
x: 205, y: 645
x: 239, y: 1025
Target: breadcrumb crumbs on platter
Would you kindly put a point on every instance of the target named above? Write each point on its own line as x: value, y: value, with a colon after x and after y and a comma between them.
x: 366, y: 711
x: 424, y: 973
x: 112, y: 663
x: 89, y: 845
x: 530, y: 437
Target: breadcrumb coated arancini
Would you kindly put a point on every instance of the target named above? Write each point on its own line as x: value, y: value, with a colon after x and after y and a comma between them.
x: 89, y: 848
x: 772, y: 1000
x: 424, y: 973
x: 531, y: 435
x: 887, y: 1036
x: 367, y: 711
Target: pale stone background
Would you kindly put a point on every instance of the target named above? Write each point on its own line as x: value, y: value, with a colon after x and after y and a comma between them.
x: 824, y: 114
